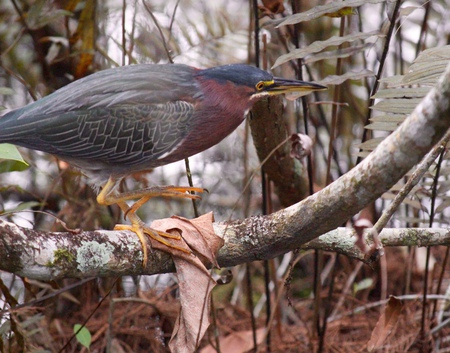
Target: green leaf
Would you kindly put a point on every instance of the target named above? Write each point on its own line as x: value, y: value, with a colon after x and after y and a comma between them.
x: 83, y: 335
x: 10, y: 159
x: 364, y: 284
x: 4, y: 91
x: 22, y: 207
x: 8, y: 151
x: 12, y: 166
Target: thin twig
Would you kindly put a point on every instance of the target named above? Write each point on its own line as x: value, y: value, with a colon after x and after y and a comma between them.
x: 163, y: 39
x: 124, y: 37
x: 362, y: 308
x: 412, y: 181
x: 21, y: 80
x: 432, y: 214
x: 380, y: 70
x: 255, y: 8
x: 172, y: 20
x: 334, y: 109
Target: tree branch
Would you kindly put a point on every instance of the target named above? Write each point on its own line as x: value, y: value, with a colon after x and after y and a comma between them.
x: 101, y: 253
x: 55, y: 255
x: 287, y: 173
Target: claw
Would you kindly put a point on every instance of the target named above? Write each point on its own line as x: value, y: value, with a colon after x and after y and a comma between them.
x: 142, y: 230
x: 108, y: 196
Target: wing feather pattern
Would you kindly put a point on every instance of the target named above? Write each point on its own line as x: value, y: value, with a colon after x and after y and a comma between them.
x: 124, y: 116
x: 125, y: 135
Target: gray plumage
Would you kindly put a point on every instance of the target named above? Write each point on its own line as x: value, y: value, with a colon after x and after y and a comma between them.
x: 133, y: 118
x: 109, y: 124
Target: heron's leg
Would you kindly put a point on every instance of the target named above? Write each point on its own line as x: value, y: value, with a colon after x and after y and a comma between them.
x: 108, y: 197
x: 160, y: 191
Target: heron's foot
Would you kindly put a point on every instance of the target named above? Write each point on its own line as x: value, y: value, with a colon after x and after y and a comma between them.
x: 145, y: 195
x: 143, y: 231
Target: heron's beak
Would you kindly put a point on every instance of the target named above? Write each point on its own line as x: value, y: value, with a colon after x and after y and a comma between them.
x: 282, y: 85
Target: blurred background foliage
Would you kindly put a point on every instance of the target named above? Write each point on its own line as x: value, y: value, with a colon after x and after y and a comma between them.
x: 378, y: 59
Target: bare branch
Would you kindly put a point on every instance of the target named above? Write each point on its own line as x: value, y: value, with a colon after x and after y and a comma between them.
x: 53, y: 255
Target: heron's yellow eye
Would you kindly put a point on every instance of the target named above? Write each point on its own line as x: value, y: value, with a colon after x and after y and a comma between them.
x: 259, y: 86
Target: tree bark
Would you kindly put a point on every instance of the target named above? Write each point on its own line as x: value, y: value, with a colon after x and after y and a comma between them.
x: 55, y: 255
x: 288, y: 174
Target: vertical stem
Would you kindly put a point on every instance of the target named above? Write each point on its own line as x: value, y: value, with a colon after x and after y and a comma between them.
x: 256, y: 31
x: 124, y: 38
x: 427, y: 263
x: 191, y: 184
x: 334, y: 109
x: 254, y: 7
x: 423, y: 28
x: 250, y: 303
x: 380, y: 69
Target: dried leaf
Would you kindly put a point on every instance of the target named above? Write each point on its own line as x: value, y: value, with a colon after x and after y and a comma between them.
x: 382, y: 126
x: 86, y: 34
x: 273, y: 6
x: 301, y: 146
x: 339, y: 53
x: 397, y: 106
x: 428, y: 66
x: 194, y: 280
x: 408, y: 201
x: 345, y: 11
x: 360, y: 225
x: 350, y: 75
x: 402, y: 92
x: 200, y: 236
x: 386, y: 323
x: 369, y: 145
x: 237, y: 342
x: 393, y: 81
x: 321, y: 45
x: 323, y: 10
x: 408, y: 10
x: 445, y: 204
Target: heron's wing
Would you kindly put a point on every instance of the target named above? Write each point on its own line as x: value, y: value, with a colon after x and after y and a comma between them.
x: 124, y: 134
x: 126, y: 85
x: 121, y: 115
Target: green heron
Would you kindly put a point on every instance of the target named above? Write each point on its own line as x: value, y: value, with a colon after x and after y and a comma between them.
x: 133, y: 118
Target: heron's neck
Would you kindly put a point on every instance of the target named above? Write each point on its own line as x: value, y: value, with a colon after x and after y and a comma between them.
x: 219, y: 111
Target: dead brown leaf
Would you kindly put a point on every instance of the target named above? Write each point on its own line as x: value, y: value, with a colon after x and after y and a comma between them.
x: 237, y: 342
x: 272, y: 7
x: 386, y: 323
x: 301, y: 146
x: 85, y: 33
x: 194, y: 280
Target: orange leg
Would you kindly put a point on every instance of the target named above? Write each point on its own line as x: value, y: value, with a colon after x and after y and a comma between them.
x: 109, y: 197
